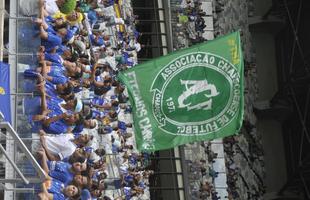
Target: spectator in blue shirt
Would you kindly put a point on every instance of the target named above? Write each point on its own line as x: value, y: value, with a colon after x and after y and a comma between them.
x: 62, y: 171
x: 53, y: 188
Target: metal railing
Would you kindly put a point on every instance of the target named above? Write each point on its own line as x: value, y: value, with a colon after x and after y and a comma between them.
x: 7, y: 131
x: 5, y: 126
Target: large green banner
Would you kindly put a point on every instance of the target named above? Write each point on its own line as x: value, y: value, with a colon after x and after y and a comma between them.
x: 189, y: 95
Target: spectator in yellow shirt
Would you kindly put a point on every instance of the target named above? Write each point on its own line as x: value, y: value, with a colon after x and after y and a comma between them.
x: 73, y: 18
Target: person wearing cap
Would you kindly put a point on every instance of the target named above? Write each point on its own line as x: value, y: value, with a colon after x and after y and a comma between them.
x: 74, y: 105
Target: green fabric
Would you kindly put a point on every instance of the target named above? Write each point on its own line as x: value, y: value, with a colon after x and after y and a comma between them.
x: 183, y: 19
x: 189, y: 95
x: 68, y: 6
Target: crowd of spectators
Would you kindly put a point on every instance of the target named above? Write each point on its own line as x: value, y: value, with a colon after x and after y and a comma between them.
x: 190, y: 23
x: 243, y: 153
x: 81, y: 112
x: 202, y: 174
x: 252, y: 157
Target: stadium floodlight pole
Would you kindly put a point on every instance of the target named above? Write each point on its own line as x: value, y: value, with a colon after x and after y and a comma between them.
x: 22, y: 146
x: 14, y: 165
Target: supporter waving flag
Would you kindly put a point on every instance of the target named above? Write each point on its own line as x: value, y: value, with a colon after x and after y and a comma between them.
x: 190, y: 95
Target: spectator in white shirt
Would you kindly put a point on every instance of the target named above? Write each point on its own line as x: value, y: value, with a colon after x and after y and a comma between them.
x: 62, y: 146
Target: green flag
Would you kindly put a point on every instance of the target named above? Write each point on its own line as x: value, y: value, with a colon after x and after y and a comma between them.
x: 189, y: 95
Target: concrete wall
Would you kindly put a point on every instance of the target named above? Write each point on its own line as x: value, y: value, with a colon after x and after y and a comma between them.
x: 261, y: 6
x: 271, y: 130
